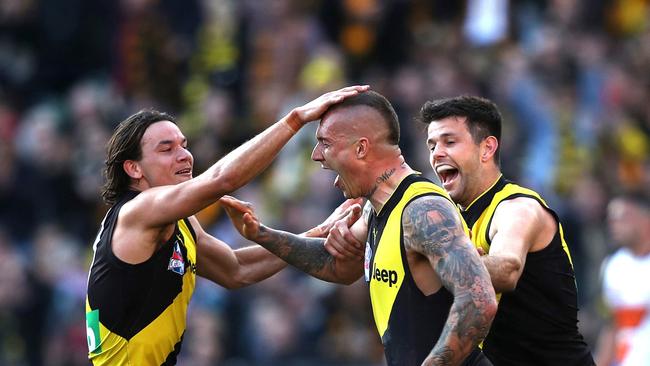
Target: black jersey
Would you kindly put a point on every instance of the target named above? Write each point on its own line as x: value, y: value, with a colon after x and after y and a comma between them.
x: 537, y: 323
x: 136, y: 314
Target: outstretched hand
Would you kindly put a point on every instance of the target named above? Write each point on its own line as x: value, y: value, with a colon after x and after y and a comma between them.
x: 323, y: 229
x: 315, y: 109
x: 242, y: 215
x: 341, y: 243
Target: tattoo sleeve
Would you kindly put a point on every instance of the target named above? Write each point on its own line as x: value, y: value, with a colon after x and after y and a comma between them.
x: 307, y: 254
x: 432, y: 227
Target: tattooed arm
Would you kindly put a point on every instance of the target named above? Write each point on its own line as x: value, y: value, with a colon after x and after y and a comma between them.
x: 432, y: 227
x: 305, y: 253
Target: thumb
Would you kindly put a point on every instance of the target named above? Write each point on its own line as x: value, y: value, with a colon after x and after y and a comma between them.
x: 248, y: 219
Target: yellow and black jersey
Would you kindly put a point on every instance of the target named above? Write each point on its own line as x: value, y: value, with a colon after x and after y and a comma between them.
x: 409, y: 323
x: 136, y: 314
x: 537, y: 323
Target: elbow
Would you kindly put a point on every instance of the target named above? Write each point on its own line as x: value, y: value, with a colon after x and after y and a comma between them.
x: 236, y: 283
x: 491, y: 306
x: 231, y: 281
x: 509, y: 277
x: 224, y: 182
x: 507, y: 284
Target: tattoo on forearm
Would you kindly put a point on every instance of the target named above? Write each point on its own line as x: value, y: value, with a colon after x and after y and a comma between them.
x: 307, y: 254
x: 444, y: 356
x: 432, y: 227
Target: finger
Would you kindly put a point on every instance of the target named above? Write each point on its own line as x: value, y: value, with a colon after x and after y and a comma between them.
x: 335, y: 238
x: 226, y: 200
x: 355, y: 87
x: 338, y: 250
x: 356, y: 245
x: 333, y: 251
x: 353, y: 214
x: 351, y: 202
x: 239, y: 205
x: 345, y: 242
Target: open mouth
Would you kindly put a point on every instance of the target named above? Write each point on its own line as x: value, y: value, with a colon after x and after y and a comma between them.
x: 446, y: 173
x: 185, y: 171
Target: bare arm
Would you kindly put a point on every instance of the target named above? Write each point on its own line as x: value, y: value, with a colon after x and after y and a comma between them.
x: 517, y: 226
x: 432, y: 227
x: 160, y: 206
x: 230, y: 268
x: 307, y: 254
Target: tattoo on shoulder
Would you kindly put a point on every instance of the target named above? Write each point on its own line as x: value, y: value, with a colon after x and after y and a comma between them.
x: 433, y: 228
x: 431, y: 224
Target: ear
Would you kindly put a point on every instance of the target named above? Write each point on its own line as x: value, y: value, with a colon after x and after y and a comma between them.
x: 362, y: 148
x: 132, y: 169
x: 488, y: 148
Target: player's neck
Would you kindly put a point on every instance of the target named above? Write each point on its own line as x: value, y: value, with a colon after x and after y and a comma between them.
x: 386, y: 181
x: 485, y: 180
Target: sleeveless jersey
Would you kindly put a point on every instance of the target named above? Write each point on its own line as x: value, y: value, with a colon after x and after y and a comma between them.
x: 537, y: 323
x: 136, y: 314
x: 409, y: 323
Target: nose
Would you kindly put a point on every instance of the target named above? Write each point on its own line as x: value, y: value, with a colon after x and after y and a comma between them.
x: 438, y: 152
x: 316, y: 154
x: 184, y: 155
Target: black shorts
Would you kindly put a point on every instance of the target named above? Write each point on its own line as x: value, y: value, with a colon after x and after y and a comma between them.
x: 477, y: 358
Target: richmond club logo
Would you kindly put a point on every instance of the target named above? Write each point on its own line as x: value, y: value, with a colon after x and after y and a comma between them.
x: 176, y: 262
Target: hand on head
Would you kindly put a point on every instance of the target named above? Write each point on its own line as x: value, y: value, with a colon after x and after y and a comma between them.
x: 315, y: 109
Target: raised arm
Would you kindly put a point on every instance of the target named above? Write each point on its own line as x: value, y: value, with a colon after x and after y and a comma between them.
x: 163, y: 205
x: 305, y: 253
x: 518, y: 226
x: 432, y: 227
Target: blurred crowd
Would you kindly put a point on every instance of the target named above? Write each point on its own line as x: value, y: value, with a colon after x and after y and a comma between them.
x: 572, y: 79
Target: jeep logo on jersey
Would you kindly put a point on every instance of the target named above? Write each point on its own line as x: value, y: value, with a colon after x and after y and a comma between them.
x: 176, y: 262
x: 384, y: 275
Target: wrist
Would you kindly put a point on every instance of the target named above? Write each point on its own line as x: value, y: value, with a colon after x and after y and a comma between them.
x: 292, y: 121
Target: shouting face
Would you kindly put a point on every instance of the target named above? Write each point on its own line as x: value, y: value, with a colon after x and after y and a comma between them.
x: 455, y: 157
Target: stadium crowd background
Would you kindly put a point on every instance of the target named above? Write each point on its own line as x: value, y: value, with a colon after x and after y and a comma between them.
x: 572, y: 79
